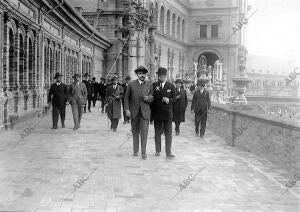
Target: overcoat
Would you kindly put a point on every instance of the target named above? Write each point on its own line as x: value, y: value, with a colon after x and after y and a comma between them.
x: 179, y: 105
x: 114, y: 104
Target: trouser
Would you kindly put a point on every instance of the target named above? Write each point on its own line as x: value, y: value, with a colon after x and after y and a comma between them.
x: 139, y: 128
x: 200, y: 117
x: 102, y: 104
x: 56, y: 111
x: 177, y: 125
x: 94, y: 99
x: 166, y: 127
x: 89, y: 101
x: 114, y: 123
x: 77, y: 113
x: 126, y: 119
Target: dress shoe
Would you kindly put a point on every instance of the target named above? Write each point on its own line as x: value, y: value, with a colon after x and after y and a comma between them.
x: 89, y: 110
x: 144, y: 157
x: 157, y: 154
x: 201, y: 136
x: 54, y: 128
x: 197, y: 133
x: 135, y: 154
x: 115, y: 130
x: 177, y: 133
x: 63, y: 125
x: 170, y: 156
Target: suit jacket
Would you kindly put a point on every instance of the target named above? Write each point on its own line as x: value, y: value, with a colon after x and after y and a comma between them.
x: 89, y: 87
x: 102, y: 90
x: 77, y: 92
x: 200, y: 102
x: 58, y: 94
x: 180, y: 105
x: 161, y: 110
x: 113, y: 103
x: 134, y: 98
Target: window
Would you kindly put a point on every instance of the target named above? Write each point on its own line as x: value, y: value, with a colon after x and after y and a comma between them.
x: 203, y: 31
x: 214, y: 31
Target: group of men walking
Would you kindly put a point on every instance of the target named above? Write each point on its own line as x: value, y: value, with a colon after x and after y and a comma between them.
x: 142, y: 102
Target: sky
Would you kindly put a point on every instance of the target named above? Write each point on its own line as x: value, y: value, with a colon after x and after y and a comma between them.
x: 275, y: 29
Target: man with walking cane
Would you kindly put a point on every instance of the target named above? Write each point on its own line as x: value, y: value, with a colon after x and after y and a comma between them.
x: 200, y: 106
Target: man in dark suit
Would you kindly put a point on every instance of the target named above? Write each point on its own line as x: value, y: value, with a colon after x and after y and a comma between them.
x: 77, y: 98
x: 58, y: 95
x: 162, y: 114
x: 179, y: 106
x: 102, y: 92
x: 90, y: 91
x: 200, y: 106
x: 138, y: 97
x: 125, y: 85
x: 95, y: 86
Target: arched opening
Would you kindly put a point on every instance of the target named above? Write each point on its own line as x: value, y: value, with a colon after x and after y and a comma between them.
x: 173, y: 24
x: 51, y: 67
x: 21, y: 62
x: 183, y: 28
x: 30, y: 65
x: 168, y: 23
x: 11, y: 52
x: 211, y: 59
x: 45, y: 67
x: 162, y: 20
x: 156, y: 14
x: 178, y: 28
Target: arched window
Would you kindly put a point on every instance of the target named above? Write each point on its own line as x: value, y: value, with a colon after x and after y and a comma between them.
x: 156, y: 14
x: 178, y: 28
x: 183, y: 28
x: 162, y: 20
x: 168, y: 23
x: 173, y: 24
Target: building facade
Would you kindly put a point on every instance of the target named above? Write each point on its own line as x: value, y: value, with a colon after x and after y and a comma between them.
x: 179, y: 32
x: 37, y: 39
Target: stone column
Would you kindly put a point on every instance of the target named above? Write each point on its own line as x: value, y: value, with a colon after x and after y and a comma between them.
x: 152, y: 53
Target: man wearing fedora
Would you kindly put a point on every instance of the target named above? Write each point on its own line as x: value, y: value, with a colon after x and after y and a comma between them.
x: 162, y: 112
x: 114, y: 94
x: 58, y: 95
x: 90, y: 91
x: 179, y: 106
x: 125, y: 85
x: 77, y: 98
x: 138, y: 97
x: 200, y: 106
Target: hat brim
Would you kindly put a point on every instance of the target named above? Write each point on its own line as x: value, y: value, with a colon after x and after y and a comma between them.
x: 144, y: 71
x: 56, y: 76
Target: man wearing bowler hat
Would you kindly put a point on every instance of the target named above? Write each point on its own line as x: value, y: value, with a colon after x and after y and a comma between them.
x: 139, y: 95
x: 90, y: 91
x: 162, y: 114
x: 58, y: 95
x: 200, y: 106
x: 77, y: 98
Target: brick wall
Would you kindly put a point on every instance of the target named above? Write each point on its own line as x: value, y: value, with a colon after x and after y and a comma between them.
x: 276, y: 140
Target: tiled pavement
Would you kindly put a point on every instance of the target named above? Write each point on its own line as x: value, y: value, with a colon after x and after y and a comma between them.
x: 40, y: 173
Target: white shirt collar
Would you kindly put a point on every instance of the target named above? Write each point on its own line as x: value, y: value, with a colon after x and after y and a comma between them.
x: 163, y: 84
x: 141, y: 82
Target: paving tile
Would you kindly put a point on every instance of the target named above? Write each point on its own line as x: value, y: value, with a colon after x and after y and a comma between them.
x: 45, y: 172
